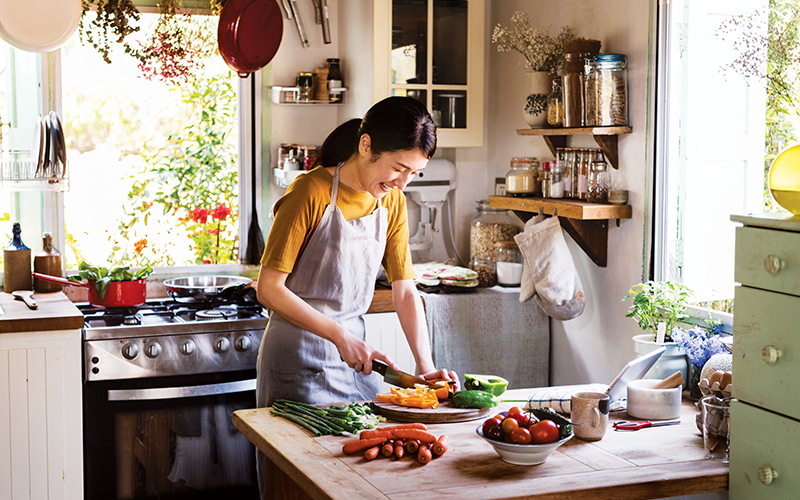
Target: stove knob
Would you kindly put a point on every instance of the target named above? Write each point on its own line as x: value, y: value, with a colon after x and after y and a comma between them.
x: 188, y: 347
x: 130, y: 351
x: 243, y: 343
x: 222, y: 345
x: 153, y: 350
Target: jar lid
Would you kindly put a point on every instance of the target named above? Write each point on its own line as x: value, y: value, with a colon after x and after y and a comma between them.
x: 607, y: 58
x: 506, y: 244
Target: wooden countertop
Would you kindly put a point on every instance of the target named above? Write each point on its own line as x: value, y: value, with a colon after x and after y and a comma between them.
x: 55, y: 312
x: 653, y: 462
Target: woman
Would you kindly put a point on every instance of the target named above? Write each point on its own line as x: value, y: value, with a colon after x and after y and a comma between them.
x: 332, y: 230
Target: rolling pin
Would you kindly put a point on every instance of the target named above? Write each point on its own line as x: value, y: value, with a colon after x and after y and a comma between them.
x: 670, y: 382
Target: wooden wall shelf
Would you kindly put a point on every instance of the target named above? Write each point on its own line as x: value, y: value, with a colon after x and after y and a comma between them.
x: 605, y: 137
x: 586, y: 223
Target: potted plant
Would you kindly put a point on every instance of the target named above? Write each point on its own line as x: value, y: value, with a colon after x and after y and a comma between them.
x: 657, y: 307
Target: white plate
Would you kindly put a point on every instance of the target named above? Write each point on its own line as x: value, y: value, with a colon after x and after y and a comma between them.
x: 38, y: 25
x: 37, y: 148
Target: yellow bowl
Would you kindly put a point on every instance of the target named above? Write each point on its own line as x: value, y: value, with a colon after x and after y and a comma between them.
x: 784, y: 179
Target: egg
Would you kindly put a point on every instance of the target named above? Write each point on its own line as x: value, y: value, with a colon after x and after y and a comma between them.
x: 716, y: 377
x: 725, y: 380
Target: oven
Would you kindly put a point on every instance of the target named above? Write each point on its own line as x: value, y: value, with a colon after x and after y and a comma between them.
x: 160, y: 385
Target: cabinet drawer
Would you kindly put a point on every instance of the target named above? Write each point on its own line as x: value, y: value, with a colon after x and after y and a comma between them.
x: 765, y: 320
x: 768, y: 259
x: 762, y: 439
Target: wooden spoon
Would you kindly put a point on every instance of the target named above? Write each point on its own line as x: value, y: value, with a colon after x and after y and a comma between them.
x: 25, y: 296
x: 670, y: 382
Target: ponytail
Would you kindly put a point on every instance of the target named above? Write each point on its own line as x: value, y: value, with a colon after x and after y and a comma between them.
x: 339, y: 145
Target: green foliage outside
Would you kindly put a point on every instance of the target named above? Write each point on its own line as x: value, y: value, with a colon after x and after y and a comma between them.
x: 192, y: 179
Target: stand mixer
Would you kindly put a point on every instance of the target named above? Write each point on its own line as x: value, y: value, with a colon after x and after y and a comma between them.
x: 425, y: 196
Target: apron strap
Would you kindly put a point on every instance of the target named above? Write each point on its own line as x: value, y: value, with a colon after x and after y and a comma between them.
x: 335, y: 188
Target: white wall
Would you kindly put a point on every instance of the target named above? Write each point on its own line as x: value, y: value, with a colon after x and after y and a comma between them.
x: 594, y: 346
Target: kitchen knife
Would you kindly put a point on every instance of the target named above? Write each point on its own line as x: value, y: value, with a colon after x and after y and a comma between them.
x: 398, y: 378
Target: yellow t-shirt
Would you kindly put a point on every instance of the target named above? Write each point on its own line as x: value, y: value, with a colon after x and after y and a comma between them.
x: 299, y: 211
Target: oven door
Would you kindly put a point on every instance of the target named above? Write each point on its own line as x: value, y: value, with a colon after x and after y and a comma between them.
x: 168, y: 438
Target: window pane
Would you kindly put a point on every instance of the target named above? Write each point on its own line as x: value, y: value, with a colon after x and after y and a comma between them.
x: 451, y: 106
x: 153, y: 167
x: 450, y: 42
x: 409, y: 41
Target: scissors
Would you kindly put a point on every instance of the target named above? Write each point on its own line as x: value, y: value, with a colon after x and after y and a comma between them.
x: 629, y: 425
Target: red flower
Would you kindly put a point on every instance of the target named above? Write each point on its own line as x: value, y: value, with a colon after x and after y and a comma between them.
x: 200, y: 215
x: 220, y: 212
x: 139, y: 245
x: 213, y: 231
x: 206, y: 261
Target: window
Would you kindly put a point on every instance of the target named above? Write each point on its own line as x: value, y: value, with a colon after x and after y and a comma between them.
x: 711, y: 159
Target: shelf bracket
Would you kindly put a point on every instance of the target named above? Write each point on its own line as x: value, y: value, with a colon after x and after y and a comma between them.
x: 608, y: 145
x: 555, y: 142
x: 590, y: 235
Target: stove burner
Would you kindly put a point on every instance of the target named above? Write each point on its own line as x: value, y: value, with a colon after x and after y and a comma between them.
x: 211, y: 314
x: 133, y: 319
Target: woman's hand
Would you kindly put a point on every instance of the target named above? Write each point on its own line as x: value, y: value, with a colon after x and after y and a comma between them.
x: 443, y: 374
x: 359, y: 355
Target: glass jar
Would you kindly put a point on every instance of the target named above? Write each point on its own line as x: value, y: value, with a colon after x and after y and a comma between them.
x: 509, y: 263
x: 519, y: 179
x: 305, y: 84
x: 487, y: 271
x: 488, y: 226
x: 546, y: 180
x: 555, y: 105
x: 571, y: 172
x: 582, y: 173
x: 606, y: 90
x: 572, y: 89
x: 556, y: 180
x: 599, y: 180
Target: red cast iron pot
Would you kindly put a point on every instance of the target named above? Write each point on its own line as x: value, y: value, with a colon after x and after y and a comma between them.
x: 249, y: 34
x: 118, y: 293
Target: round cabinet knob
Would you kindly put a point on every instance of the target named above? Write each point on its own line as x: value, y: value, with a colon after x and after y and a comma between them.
x: 153, y: 350
x: 130, y: 351
x: 773, y: 264
x: 243, y: 343
x: 766, y: 474
x: 771, y: 354
x: 222, y: 344
x: 95, y: 360
x: 95, y: 370
x: 188, y: 347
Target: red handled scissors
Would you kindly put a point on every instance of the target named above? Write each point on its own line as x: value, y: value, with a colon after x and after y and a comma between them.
x: 629, y: 425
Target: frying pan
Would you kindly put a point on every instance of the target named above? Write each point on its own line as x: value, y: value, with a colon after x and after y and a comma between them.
x: 118, y: 293
x: 249, y: 34
x: 202, y: 288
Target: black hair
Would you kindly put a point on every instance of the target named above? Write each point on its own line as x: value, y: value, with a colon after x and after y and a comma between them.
x: 393, y: 124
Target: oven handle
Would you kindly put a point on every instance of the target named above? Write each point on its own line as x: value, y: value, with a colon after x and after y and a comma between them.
x: 181, y: 392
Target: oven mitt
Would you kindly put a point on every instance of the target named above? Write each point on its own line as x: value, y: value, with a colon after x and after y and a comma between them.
x: 526, y: 288
x: 558, y: 287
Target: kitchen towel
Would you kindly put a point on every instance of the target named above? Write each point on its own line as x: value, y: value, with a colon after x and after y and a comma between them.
x: 527, y: 287
x: 557, y: 285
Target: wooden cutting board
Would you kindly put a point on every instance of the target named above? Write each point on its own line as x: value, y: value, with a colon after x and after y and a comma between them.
x: 445, y: 413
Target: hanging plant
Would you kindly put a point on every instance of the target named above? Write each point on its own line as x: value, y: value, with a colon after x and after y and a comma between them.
x: 112, y: 23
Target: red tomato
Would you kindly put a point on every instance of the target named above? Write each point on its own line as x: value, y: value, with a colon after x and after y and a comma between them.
x: 521, y: 435
x: 496, y: 433
x: 509, y: 424
x: 523, y: 420
x: 514, y: 411
x: 543, y: 432
x: 489, y: 423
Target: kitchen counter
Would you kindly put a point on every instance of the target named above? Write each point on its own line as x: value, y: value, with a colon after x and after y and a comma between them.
x: 653, y: 462
x: 55, y: 312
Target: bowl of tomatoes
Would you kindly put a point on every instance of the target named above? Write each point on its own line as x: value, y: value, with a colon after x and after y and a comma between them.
x: 526, y: 438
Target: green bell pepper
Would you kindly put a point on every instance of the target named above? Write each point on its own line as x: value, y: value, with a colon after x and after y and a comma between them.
x: 489, y: 383
x: 474, y: 399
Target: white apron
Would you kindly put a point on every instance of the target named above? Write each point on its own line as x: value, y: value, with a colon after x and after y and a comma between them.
x: 336, y: 276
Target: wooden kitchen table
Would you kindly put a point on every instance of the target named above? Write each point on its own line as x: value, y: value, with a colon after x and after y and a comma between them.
x: 653, y: 462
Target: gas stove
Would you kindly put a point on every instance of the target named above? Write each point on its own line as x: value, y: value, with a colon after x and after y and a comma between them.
x: 170, y: 337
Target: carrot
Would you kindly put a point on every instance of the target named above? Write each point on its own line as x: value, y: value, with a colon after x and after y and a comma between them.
x: 424, y: 454
x: 412, y: 446
x: 361, y: 445
x: 372, y: 453
x: 388, y: 449
x: 422, y: 436
x: 413, y: 425
x: 440, y: 446
x: 374, y: 433
x: 399, y: 449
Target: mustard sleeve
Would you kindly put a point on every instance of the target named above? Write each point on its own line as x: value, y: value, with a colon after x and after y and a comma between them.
x: 397, y: 257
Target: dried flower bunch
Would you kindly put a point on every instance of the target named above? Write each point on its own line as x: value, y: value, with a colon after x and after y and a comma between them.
x: 111, y: 24
x: 542, y: 52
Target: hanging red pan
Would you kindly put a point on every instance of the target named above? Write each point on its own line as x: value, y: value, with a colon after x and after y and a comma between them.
x: 118, y: 293
x: 249, y: 34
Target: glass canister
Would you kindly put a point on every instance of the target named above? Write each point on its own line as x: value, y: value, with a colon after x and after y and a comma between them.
x: 582, y: 166
x: 520, y: 178
x: 305, y: 85
x: 572, y: 88
x: 555, y: 105
x: 547, y: 180
x: 556, y: 180
x: 509, y: 263
x: 599, y: 180
x: 606, y: 90
x: 488, y: 226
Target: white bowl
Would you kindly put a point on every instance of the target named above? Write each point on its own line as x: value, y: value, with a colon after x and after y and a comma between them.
x: 653, y: 404
x: 523, y: 454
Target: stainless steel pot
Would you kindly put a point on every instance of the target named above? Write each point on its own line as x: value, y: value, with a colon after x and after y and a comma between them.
x: 205, y: 287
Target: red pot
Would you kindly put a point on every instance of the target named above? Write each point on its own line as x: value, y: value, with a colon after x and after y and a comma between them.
x: 118, y: 293
x: 249, y: 34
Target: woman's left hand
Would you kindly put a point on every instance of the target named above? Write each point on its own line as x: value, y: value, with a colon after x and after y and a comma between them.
x: 443, y: 374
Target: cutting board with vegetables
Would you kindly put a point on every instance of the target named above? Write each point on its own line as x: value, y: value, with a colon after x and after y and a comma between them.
x: 445, y: 413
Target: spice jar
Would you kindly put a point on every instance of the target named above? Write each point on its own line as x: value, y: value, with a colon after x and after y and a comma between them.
x: 546, y: 180
x: 555, y: 105
x: 572, y: 89
x: 305, y: 85
x: 556, y: 180
x: 606, y: 90
x: 487, y: 271
x: 599, y: 180
x: 488, y: 226
x: 519, y: 179
x: 48, y: 262
x: 509, y: 263
x: 582, y: 167
x: 16, y: 263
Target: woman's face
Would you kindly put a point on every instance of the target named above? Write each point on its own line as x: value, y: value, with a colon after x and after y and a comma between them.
x: 393, y: 171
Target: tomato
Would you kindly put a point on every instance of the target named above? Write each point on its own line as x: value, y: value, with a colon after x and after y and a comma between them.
x: 496, y: 433
x: 514, y: 411
x: 521, y: 436
x: 509, y: 424
x: 492, y: 422
x: 523, y: 420
x: 545, y: 431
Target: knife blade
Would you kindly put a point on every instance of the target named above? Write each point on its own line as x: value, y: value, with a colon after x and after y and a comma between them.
x: 398, y: 378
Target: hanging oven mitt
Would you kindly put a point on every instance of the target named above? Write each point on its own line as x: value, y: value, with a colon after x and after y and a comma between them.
x: 559, y: 291
x: 526, y: 288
